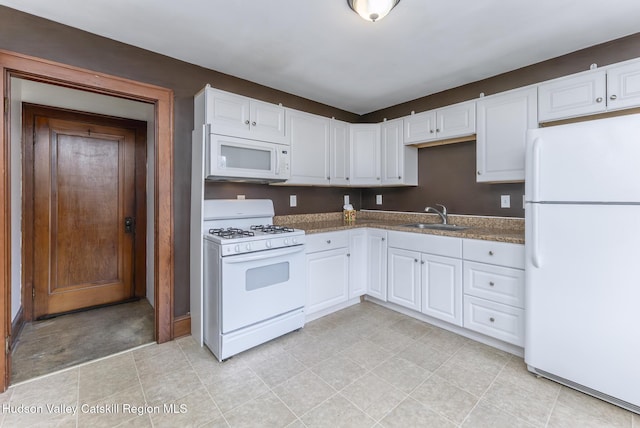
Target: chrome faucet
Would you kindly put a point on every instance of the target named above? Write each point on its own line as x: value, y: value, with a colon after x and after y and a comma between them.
x: 443, y: 214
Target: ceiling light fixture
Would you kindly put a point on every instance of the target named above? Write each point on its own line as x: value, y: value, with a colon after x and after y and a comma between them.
x: 372, y: 10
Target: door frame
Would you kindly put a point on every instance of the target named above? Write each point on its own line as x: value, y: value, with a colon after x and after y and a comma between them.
x: 140, y: 238
x: 31, y: 68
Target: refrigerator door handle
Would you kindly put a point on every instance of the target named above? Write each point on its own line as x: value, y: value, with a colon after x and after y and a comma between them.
x: 535, y: 166
x: 535, y: 253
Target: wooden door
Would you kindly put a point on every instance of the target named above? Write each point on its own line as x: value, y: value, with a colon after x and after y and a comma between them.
x: 83, y: 193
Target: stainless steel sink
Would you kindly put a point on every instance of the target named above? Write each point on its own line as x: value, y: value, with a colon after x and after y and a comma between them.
x: 436, y: 226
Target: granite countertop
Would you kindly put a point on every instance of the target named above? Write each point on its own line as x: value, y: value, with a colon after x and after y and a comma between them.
x: 499, y: 229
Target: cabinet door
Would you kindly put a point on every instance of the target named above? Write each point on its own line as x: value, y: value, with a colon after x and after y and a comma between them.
x: 327, y: 279
x: 392, y: 145
x: 420, y: 127
x: 309, y: 137
x: 365, y: 154
x: 377, y: 263
x: 572, y: 96
x: 339, y: 158
x: 623, y: 86
x: 267, y: 121
x: 442, y: 288
x: 404, y: 278
x: 456, y: 121
x: 227, y: 113
x: 503, y: 120
x: 357, y: 262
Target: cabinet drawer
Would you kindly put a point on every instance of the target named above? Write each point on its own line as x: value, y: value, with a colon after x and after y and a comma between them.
x: 496, y: 283
x: 503, y: 322
x: 326, y: 241
x: 496, y: 253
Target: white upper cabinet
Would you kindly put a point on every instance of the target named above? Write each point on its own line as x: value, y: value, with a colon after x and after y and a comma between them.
x: 595, y: 91
x: 457, y: 120
x: 623, y: 85
x: 453, y: 121
x: 571, y: 96
x: 309, y: 137
x: 238, y: 116
x: 503, y: 120
x: 364, y: 154
x: 339, y: 153
x: 420, y: 127
x: 399, y: 162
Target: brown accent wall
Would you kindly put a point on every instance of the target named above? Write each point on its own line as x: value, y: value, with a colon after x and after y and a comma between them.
x: 446, y: 173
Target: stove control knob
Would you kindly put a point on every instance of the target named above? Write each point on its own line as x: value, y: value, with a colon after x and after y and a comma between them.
x: 236, y: 248
x: 294, y: 240
x: 286, y: 241
x: 248, y: 247
x: 268, y: 244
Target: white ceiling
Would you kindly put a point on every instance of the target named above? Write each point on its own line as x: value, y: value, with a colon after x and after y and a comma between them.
x: 321, y: 50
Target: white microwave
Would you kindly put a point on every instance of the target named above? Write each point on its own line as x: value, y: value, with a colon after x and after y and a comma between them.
x: 239, y: 159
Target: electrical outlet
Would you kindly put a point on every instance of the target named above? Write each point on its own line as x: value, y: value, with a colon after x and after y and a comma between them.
x: 293, y: 201
x: 240, y: 197
x: 346, y: 199
x: 505, y: 201
x: 378, y: 199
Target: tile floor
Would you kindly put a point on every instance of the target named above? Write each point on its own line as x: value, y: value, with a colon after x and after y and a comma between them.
x: 364, y: 366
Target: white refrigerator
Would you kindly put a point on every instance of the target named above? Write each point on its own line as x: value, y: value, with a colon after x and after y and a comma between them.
x: 582, y: 245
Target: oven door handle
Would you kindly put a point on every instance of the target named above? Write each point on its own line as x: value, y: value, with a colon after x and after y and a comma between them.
x: 263, y: 255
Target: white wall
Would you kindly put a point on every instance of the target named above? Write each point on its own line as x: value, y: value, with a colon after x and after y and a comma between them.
x: 58, y: 96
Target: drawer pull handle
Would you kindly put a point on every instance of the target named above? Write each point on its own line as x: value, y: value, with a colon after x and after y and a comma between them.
x: 328, y: 241
x: 491, y: 253
x: 491, y: 283
x: 492, y: 319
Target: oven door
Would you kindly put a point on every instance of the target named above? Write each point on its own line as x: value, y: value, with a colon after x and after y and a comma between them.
x: 261, y: 285
x: 231, y: 158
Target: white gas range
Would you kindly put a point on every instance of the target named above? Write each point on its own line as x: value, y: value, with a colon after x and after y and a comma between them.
x: 253, y: 276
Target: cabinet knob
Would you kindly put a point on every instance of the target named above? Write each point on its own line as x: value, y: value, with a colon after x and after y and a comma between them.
x: 377, y: 178
x: 347, y: 178
x: 492, y: 319
x: 491, y: 283
x: 246, y: 122
x: 328, y: 178
x: 479, y: 173
x: 491, y: 253
x: 328, y: 241
x: 383, y: 239
x: 431, y: 131
x: 613, y: 97
x: 348, y: 254
x: 437, y: 129
x: 253, y: 124
x: 599, y: 99
x: 422, y: 262
x: 399, y: 177
x: 415, y: 260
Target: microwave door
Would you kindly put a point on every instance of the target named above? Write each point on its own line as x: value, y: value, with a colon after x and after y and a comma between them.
x: 231, y: 157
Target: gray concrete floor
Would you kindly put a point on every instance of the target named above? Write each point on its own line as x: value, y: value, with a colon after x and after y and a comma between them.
x: 47, y: 346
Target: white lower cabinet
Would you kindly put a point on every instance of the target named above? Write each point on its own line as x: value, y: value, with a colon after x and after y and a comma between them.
x: 425, y: 274
x: 494, y: 289
x: 404, y: 278
x: 377, y: 263
x: 357, y: 263
x: 442, y: 288
x: 327, y: 270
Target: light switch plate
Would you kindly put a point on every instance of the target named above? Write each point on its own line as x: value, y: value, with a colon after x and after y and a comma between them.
x: 505, y: 201
x: 346, y: 199
x: 378, y: 199
x: 293, y: 201
x: 241, y: 197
